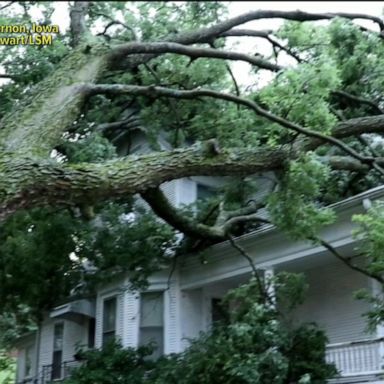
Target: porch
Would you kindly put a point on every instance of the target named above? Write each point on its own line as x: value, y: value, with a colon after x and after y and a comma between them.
x: 358, y: 356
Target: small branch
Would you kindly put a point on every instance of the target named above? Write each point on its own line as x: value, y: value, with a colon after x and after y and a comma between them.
x: 7, y: 5
x: 263, y: 291
x: 359, y: 100
x: 262, y: 34
x: 347, y: 261
x: 243, y: 219
x: 115, y: 22
x: 127, y: 124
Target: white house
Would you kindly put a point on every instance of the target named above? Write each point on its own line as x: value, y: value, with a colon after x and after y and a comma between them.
x: 175, y: 309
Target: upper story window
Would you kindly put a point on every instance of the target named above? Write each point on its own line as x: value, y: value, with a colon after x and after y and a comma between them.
x: 57, y: 358
x: 152, y: 321
x: 109, y: 319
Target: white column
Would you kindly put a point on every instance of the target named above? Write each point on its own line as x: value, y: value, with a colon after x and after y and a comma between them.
x: 269, y: 273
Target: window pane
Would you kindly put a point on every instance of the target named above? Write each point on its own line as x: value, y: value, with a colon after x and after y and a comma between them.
x: 151, y: 314
x: 56, y: 365
x: 109, y: 315
x: 108, y: 336
x: 58, y: 337
x: 155, y: 335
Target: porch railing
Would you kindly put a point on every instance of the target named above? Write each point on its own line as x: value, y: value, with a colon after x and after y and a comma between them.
x: 45, y: 376
x: 362, y: 357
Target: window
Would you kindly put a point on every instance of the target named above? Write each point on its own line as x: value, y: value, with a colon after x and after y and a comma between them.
x: 109, y: 319
x: 57, y: 358
x: 219, y: 311
x: 152, y: 321
x: 91, y: 333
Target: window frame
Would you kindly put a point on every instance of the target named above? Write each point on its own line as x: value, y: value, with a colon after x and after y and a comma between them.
x: 160, y: 350
x: 57, y: 354
x: 108, y: 334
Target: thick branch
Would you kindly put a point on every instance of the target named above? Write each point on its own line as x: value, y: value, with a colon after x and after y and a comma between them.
x: 78, y: 26
x: 27, y: 182
x: 192, y: 52
x: 161, y: 206
x: 205, y: 34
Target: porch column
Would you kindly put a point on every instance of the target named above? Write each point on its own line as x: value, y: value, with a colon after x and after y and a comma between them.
x: 269, y: 273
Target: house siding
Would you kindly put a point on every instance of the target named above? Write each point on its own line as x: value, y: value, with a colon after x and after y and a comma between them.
x: 191, y: 315
x: 75, y: 335
x: 331, y: 305
x: 171, y: 316
x: 46, y: 344
x: 130, y: 336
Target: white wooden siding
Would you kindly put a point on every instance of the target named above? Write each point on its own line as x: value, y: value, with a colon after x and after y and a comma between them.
x: 75, y: 334
x: 330, y: 303
x: 130, y: 336
x: 172, y: 317
x: 46, y: 343
x: 191, y: 315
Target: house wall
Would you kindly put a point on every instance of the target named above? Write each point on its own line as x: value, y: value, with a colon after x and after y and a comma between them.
x: 128, y: 311
x: 331, y: 305
x: 75, y: 334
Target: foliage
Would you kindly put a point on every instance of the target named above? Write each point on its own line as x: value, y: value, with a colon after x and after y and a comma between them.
x: 370, y: 232
x: 7, y: 368
x: 72, y: 254
x: 293, y: 207
x: 255, y: 346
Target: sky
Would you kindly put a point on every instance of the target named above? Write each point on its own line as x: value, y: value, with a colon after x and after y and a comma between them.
x: 253, y: 45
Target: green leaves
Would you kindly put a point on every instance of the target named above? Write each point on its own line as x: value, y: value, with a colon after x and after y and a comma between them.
x: 371, y: 234
x: 293, y: 208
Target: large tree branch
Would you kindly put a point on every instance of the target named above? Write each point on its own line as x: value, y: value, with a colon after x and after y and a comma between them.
x: 27, y: 182
x: 77, y: 25
x: 205, y: 34
x: 209, y: 34
x: 217, y: 232
x: 192, y: 52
